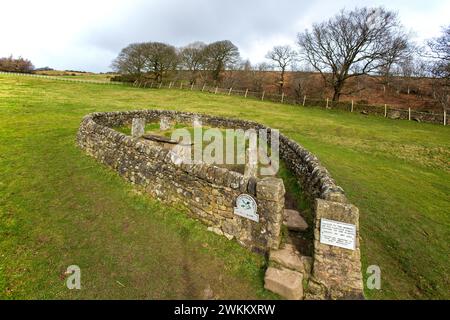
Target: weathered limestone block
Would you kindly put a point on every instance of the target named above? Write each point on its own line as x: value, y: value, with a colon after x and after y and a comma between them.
x: 138, y: 127
x: 336, y: 269
x: 270, y: 196
x: 288, y: 257
x: 286, y: 283
x: 294, y: 221
x: 270, y: 189
x: 395, y: 115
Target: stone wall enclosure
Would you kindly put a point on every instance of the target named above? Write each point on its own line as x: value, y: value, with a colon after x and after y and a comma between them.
x: 209, y: 194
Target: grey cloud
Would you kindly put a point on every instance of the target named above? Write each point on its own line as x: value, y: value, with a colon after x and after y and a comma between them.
x: 180, y: 22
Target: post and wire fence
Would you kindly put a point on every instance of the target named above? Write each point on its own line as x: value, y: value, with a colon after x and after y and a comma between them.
x: 350, y: 106
x: 325, y: 103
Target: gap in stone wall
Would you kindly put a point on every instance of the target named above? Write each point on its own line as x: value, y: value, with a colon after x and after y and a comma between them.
x: 295, y: 200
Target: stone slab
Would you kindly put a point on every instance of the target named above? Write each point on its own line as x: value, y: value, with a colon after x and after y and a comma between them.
x: 284, y: 282
x: 290, y: 258
x: 294, y: 221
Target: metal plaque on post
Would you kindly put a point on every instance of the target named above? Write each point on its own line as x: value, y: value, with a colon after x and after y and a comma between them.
x: 338, y: 234
x: 246, y: 207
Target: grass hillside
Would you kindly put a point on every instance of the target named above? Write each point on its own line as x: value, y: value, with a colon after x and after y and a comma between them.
x: 59, y: 207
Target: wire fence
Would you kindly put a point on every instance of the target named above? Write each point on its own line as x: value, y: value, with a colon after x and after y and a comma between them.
x: 386, y: 111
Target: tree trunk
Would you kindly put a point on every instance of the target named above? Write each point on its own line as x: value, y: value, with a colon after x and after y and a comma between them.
x: 339, y: 84
x: 282, y: 81
x: 336, y: 96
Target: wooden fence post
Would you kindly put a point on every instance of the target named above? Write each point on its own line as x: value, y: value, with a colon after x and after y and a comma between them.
x: 170, y: 85
x: 217, y: 88
x: 328, y: 100
x: 353, y: 105
x: 385, y: 110
x: 263, y: 94
x: 246, y: 93
x: 304, y: 100
x: 409, y: 114
x: 445, y: 117
x: 229, y: 92
x: 181, y: 85
x: 282, y: 97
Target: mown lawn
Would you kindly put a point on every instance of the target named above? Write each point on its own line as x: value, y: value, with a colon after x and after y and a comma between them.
x: 59, y: 207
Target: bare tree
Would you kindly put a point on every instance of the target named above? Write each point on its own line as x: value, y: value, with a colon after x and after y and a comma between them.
x: 440, y: 67
x: 440, y: 54
x: 283, y: 57
x: 221, y: 55
x: 399, y: 52
x: 149, y: 57
x: 351, y: 44
x: 131, y: 60
x: 160, y: 58
x: 193, y: 59
x: 10, y: 64
x: 407, y: 67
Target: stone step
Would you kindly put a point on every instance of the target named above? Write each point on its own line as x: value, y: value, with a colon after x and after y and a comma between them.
x: 289, y: 257
x: 284, y: 282
x: 294, y: 221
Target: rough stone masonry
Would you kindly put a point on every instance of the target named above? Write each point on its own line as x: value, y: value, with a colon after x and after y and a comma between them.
x: 209, y: 194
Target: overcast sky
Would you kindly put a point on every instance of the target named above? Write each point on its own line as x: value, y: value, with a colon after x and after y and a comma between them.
x: 88, y: 34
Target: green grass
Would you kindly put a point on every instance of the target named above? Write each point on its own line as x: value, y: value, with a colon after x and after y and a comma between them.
x: 59, y: 207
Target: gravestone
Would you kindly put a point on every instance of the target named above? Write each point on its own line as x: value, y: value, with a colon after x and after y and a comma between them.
x: 138, y: 127
x: 164, y: 124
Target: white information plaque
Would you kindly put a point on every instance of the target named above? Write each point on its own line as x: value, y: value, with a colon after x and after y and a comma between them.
x: 338, y: 234
x: 246, y: 207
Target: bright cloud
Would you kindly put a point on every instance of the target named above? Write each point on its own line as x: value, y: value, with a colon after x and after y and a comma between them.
x: 88, y: 34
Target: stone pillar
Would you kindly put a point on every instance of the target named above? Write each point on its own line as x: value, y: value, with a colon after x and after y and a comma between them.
x: 164, y: 124
x: 270, y: 196
x: 336, y: 271
x: 138, y: 127
x: 251, y: 163
x: 197, y: 122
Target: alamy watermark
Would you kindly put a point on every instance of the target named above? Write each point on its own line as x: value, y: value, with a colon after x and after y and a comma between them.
x: 74, y: 277
x: 256, y: 148
x: 374, y: 278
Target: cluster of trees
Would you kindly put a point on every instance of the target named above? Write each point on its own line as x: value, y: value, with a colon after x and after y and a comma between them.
x: 440, y: 67
x: 361, y: 42
x: 10, y: 64
x: 158, y: 59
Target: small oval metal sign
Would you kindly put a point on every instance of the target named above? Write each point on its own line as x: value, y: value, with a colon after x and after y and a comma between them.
x: 246, y: 207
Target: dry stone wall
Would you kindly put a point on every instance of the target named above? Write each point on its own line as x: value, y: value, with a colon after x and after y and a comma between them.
x: 210, y: 192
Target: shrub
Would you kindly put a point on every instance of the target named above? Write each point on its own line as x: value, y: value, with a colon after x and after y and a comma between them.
x: 20, y: 64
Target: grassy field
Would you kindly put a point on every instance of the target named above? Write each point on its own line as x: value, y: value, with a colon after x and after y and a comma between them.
x: 59, y: 207
x: 76, y: 75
